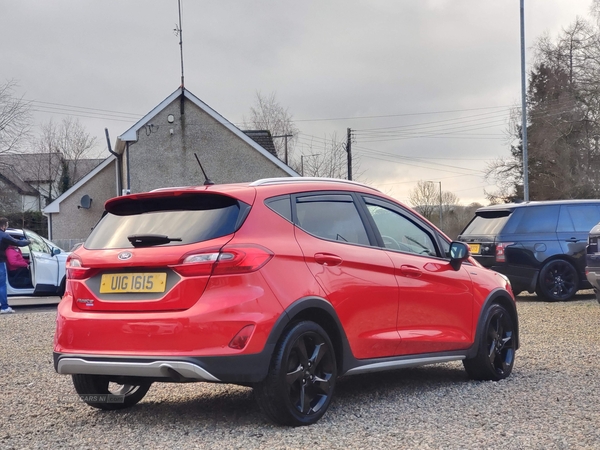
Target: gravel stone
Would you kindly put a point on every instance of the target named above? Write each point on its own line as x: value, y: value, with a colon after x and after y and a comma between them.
x: 551, y: 401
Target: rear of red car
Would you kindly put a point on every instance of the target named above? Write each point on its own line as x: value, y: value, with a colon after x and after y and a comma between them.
x: 168, y: 290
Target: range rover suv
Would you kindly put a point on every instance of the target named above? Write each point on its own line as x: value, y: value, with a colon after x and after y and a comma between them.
x: 539, y: 246
x: 280, y: 284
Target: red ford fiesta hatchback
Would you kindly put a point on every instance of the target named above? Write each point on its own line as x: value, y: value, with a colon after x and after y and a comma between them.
x: 281, y: 284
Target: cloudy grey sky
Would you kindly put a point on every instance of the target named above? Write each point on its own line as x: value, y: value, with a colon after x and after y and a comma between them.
x: 426, y: 84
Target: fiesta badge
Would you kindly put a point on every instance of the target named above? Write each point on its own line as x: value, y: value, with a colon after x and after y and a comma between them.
x: 124, y: 256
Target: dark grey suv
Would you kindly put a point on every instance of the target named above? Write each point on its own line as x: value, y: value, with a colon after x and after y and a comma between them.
x: 539, y: 246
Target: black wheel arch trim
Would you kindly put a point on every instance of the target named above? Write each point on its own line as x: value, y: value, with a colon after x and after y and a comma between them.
x: 503, y: 298
x: 305, y: 309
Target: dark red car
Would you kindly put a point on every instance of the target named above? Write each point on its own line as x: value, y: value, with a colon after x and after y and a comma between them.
x: 280, y: 284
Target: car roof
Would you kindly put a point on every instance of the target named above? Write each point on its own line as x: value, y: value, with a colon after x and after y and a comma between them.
x: 267, y: 182
x: 247, y: 192
x: 513, y: 206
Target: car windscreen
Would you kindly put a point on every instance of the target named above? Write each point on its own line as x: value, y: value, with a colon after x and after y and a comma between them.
x: 181, y: 222
x: 486, y: 223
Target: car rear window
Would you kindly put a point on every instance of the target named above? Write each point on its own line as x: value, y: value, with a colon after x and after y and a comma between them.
x: 189, y: 219
x: 487, y: 223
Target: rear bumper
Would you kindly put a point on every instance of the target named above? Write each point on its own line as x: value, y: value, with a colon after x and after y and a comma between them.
x: 593, y: 276
x: 224, y: 369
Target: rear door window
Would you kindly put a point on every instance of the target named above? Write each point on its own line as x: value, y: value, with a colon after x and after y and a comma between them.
x: 187, y: 218
x: 331, y: 216
x: 535, y: 219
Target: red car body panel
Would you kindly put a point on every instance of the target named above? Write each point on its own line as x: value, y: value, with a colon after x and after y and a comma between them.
x: 362, y: 288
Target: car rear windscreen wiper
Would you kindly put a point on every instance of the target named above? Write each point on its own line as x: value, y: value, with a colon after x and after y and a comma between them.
x: 148, y: 240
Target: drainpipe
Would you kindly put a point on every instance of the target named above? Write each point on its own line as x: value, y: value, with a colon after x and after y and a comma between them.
x: 119, y: 164
x: 128, y: 179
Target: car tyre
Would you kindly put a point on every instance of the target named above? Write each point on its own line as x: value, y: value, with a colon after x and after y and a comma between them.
x: 91, y: 387
x: 496, y: 350
x: 558, y: 281
x: 301, y: 380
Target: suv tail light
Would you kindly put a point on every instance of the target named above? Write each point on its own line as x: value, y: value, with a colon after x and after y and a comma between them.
x: 75, y: 268
x: 229, y: 260
x: 592, y: 244
x: 501, y: 251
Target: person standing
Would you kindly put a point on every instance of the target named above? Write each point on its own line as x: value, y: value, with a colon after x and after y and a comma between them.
x: 6, y: 240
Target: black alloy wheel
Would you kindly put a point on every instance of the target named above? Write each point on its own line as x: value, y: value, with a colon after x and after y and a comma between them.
x: 558, y: 281
x: 301, y: 379
x: 98, y: 391
x: 496, y: 352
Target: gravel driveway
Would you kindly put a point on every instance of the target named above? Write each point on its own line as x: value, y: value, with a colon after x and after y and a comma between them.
x: 551, y: 401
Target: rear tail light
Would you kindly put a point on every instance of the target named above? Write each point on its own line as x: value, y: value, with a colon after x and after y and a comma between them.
x: 592, y: 244
x: 229, y: 260
x: 501, y: 251
x: 75, y: 268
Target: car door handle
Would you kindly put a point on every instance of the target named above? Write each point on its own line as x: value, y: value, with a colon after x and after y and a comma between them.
x: 410, y: 271
x: 328, y: 259
x: 573, y: 240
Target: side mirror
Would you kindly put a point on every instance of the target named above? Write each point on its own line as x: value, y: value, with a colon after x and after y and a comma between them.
x: 459, y: 252
x: 55, y: 251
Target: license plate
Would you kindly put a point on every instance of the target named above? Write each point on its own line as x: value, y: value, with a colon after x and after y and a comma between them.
x: 474, y: 248
x: 116, y: 283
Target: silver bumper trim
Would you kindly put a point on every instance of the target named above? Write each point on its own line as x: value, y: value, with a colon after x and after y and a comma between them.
x: 156, y: 369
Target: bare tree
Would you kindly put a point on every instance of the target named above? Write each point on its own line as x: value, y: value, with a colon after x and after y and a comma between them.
x: 268, y: 114
x: 322, y: 159
x: 425, y: 198
x: 457, y: 218
x: 15, y: 118
x: 75, y: 144
x: 72, y: 143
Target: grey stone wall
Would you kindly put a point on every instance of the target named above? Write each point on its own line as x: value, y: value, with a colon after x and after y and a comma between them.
x: 163, y: 156
x: 76, y: 223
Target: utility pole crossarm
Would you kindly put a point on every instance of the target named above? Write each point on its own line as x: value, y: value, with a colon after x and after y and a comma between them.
x: 285, y: 136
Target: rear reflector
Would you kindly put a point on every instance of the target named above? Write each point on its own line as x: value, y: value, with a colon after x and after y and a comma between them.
x: 240, y: 340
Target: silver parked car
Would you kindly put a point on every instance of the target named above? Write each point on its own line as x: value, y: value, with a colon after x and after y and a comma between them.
x: 46, y: 266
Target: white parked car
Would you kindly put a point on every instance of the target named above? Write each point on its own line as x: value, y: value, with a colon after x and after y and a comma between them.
x: 46, y: 265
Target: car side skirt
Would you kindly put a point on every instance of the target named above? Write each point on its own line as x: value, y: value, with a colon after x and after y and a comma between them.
x: 403, y: 363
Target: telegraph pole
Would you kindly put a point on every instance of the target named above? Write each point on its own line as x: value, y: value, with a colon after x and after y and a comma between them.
x: 524, y: 109
x: 349, y: 151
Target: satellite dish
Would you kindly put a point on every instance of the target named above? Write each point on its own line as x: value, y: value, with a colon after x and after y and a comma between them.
x: 85, y: 202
